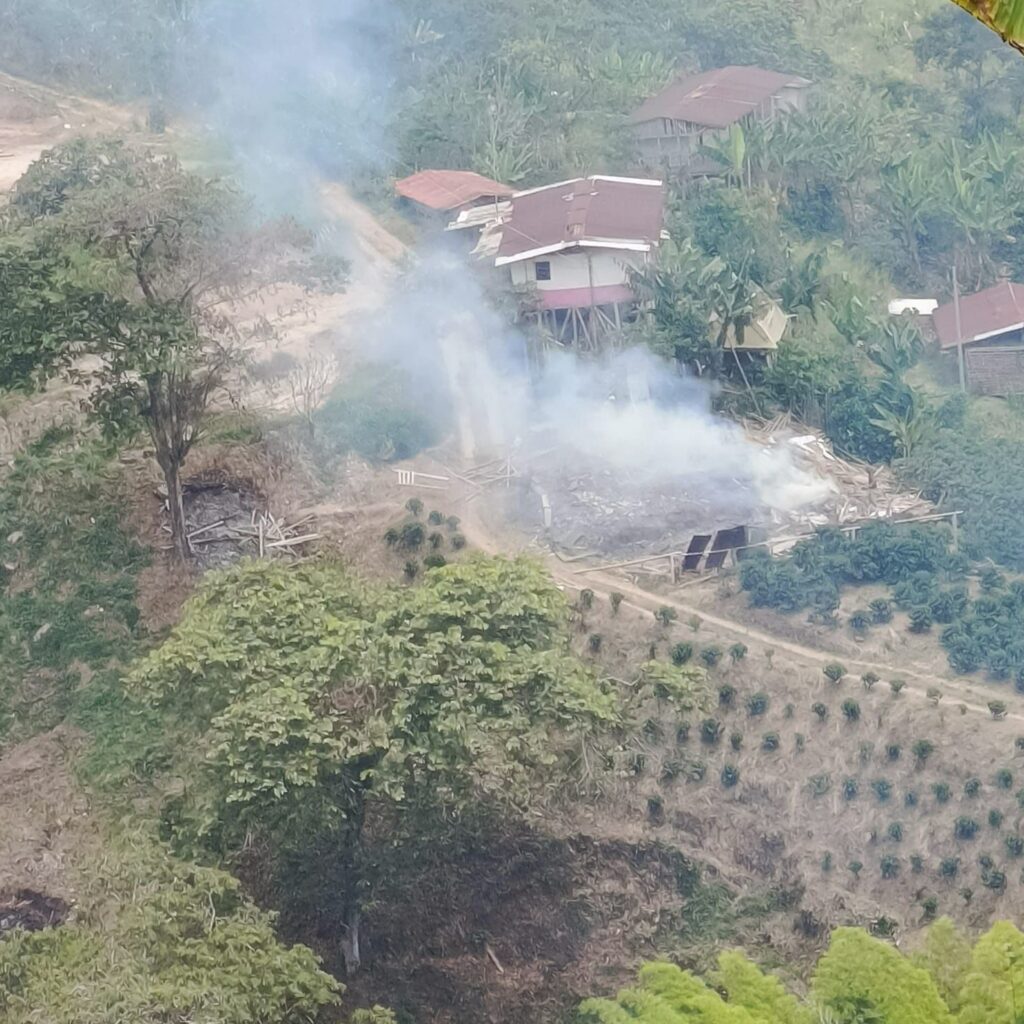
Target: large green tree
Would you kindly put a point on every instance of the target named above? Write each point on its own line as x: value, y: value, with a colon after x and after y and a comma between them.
x: 306, y: 702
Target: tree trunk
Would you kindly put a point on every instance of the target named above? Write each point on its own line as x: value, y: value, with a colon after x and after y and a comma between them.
x: 352, y: 885
x: 176, y: 506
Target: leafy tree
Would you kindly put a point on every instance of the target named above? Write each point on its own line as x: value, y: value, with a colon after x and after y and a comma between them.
x: 737, y: 652
x: 850, y: 788
x: 992, y: 985
x: 946, y: 956
x: 995, y: 818
x: 881, y: 610
x: 997, y: 708
x: 869, y: 679
x: 860, y: 968
x: 309, y: 699
x: 896, y: 685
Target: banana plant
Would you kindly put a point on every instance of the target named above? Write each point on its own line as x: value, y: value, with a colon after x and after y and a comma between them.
x: 1003, y: 16
x: 730, y: 152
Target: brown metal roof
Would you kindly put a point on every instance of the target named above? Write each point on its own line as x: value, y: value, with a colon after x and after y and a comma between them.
x: 597, y: 211
x: 983, y: 314
x: 715, y: 98
x: 447, y: 190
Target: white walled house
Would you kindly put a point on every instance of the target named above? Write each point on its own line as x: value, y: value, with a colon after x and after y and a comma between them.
x: 570, y: 249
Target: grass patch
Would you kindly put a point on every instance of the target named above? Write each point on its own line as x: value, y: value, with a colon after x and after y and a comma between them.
x: 69, y: 580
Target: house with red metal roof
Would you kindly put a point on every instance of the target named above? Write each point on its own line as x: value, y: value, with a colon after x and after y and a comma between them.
x: 570, y: 249
x: 672, y: 127
x: 451, y: 192
x: 986, y: 331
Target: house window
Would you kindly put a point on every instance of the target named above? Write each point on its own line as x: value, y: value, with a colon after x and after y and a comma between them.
x: 543, y: 269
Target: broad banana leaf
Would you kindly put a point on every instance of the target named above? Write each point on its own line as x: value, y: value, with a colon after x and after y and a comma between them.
x: 1003, y: 16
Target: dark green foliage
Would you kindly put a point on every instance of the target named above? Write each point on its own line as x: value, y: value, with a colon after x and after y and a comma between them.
x: 920, y: 619
x: 890, y: 866
x: 893, y: 751
x: 995, y: 818
x: 1018, y: 744
x: 411, y: 570
x: 896, y: 685
x: 737, y: 652
x: 726, y: 695
x: 1015, y: 846
x: 881, y: 610
x: 586, y: 599
x: 916, y: 863
x: 770, y: 741
x: 594, y: 642
x: 869, y: 679
x: 965, y: 828
x: 391, y: 537
x: 730, y: 776
x: 757, y: 703
x: 851, y: 710
x: 615, y: 598
x: 1004, y: 778
x: 681, y: 653
x: 682, y: 734
x: 942, y: 792
x: 665, y: 615
x: 458, y: 541
x: 789, y: 711
x: 711, y: 731
x: 656, y: 810
x: 834, y: 671
x: 866, y: 751
x: 826, y: 862
x: 855, y: 867
x: 850, y: 788
x: 922, y: 750
x: 820, y: 710
x: 436, y: 540
x: 434, y: 562
x: 949, y: 867
x: 972, y: 787
x: 711, y: 655
x: 992, y: 579
x: 736, y: 740
x: 929, y: 908
x: 882, y: 789
x: 910, y: 798
x: 411, y: 536
x: 415, y: 507
x: 997, y: 709
x: 895, y: 832
x: 435, y: 518
x: 860, y: 620
x: 799, y: 741
x: 671, y: 769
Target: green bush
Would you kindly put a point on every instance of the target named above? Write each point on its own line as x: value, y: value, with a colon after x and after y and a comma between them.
x: 757, y: 704
x: 995, y: 818
x: 890, y: 866
x: 834, y: 672
x: 882, y: 789
x: 869, y: 679
x: 922, y: 750
x: 942, y: 792
x: 616, y: 599
x: 920, y: 619
x: 860, y: 620
x: 770, y: 742
x: 851, y: 710
x: 965, y: 828
x: 726, y: 695
x: 895, y: 832
x: 737, y: 652
x: 665, y: 615
x: 881, y: 610
x: 736, y: 740
x: 972, y: 787
x: 896, y: 685
x: 730, y: 776
x: 820, y: 710
x: 711, y: 731
x: 711, y: 655
x: 1004, y: 778
x: 910, y: 798
x: 850, y: 788
x: 893, y: 751
x: 681, y: 653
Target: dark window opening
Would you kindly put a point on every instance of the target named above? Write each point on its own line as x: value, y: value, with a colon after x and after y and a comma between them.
x: 543, y: 269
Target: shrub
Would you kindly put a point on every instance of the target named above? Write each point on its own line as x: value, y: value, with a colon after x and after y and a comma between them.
x: 682, y: 733
x: 897, y: 685
x: 890, y: 866
x: 681, y: 653
x: 883, y: 790
x: 910, y: 798
x: 949, y: 867
x: 860, y: 621
x: 997, y: 709
x: 652, y: 730
x: 855, y: 868
x: 730, y: 776
x: 972, y: 787
x: 826, y: 862
x: 820, y: 784
x: 881, y: 610
x: 594, y: 642
x: 789, y: 711
x: 991, y: 579
x: 414, y: 507
x: 929, y: 908
x: 893, y: 751
x: 920, y: 619
x: 737, y: 652
x: 820, y: 710
x: 435, y: 562
x: 711, y: 655
x: 435, y: 518
x: 966, y: 894
x: 726, y: 695
x: 1020, y: 798
x: 850, y: 789
x: 757, y: 703
x: 770, y: 741
x: 711, y: 731
x: 412, y: 536
x: 800, y: 741
x: 922, y: 750
x: 995, y: 818
x: 994, y: 879
x: 916, y: 863
x: 895, y: 832
x: 452, y: 522
x: 671, y: 769
x: 411, y: 570
x: 694, y: 622
x: 965, y: 828
x: 392, y: 537
x: 436, y: 540
x: 736, y: 740
x: 1019, y: 743
x: 851, y: 710
x: 1015, y: 846
x: 834, y: 672
x: 696, y: 769
x: 1004, y: 778
x: 458, y: 542
x: 616, y: 600
x: 665, y: 616
x: 942, y: 792
x: 637, y: 764
x: 869, y: 679
x: 586, y: 599
x: 934, y: 695
x: 866, y: 751
x: 656, y: 810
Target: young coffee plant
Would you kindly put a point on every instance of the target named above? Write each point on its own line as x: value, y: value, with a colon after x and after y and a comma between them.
x: 665, y: 616
x: 942, y: 792
x: 681, y: 653
x: 616, y: 599
x: 882, y: 789
x: 834, y: 672
x: 851, y: 710
x: 757, y: 704
x: 965, y: 828
x: 711, y: 655
x: 869, y: 679
x: 730, y: 776
x: 726, y: 695
x: 737, y: 652
x: 972, y: 787
x: 820, y: 710
x: 770, y: 742
x: 736, y: 740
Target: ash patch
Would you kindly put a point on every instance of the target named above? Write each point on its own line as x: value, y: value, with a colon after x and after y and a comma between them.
x: 214, y: 513
x: 31, y: 911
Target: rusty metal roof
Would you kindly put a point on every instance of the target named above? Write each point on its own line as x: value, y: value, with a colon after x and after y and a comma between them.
x: 599, y: 212
x: 448, y: 190
x: 716, y: 98
x: 982, y: 315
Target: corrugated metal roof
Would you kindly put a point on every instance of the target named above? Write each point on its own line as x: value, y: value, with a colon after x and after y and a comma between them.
x: 447, y: 190
x: 716, y: 98
x: 615, y: 213
x: 983, y: 314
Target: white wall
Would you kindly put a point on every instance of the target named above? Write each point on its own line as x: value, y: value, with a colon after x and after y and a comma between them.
x: 570, y: 270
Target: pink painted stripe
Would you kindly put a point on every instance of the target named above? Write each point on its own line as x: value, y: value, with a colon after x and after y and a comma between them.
x: 574, y: 298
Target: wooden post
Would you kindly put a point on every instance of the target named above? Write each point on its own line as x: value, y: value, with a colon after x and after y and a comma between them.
x: 959, y: 333
x: 956, y: 531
